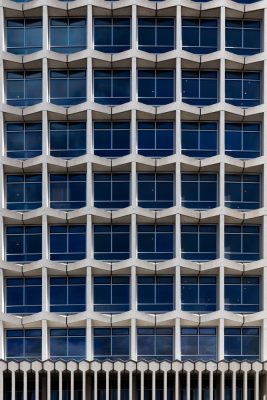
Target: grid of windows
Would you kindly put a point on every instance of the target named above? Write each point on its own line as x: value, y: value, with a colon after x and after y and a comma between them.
x: 118, y: 173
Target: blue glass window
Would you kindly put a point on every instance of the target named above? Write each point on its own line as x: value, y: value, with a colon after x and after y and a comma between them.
x: 243, y: 36
x: 111, y: 191
x: 23, y: 344
x: 242, y: 294
x: 242, y: 243
x: 200, y: 36
x: 67, y: 191
x: 23, y: 243
x: 155, y: 343
x: 67, y: 294
x: 112, y: 87
x: 198, y: 344
x: 243, y: 140
x: 199, y: 139
x: 23, y: 88
x: 242, y: 191
x: 112, y: 35
x: 23, y: 192
x: 23, y: 295
x: 111, y: 294
x: 112, y: 139
x: 23, y: 36
x: 155, y: 191
x: 199, y: 242
x: 67, y: 35
x: 111, y: 343
x: 67, y: 242
x: 155, y: 293
x: 155, y: 242
x: 155, y: 139
x: 199, y: 88
x: 67, y: 87
x: 243, y: 89
x: 23, y: 140
x: 156, y: 35
x: 199, y: 191
x: 156, y: 87
x: 198, y: 293
x: 67, y: 344
x: 67, y: 139
x: 111, y: 242
x: 242, y: 343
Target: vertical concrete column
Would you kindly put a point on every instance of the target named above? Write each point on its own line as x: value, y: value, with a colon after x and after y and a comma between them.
x: 45, y: 140
x: 89, y: 185
x: 178, y: 79
x: 2, y: 239
x: 59, y: 385
x: 89, y: 289
x: 133, y: 340
x: 133, y: 132
x: 134, y: 200
x: 263, y: 292
x: 89, y: 133
x: 220, y: 237
x: 178, y: 28
x: 264, y: 339
x: 133, y: 250
x: 89, y: 237
x: 2, y: 35
x: 220, y: 294
x: 45, y: 81
x: 188, y: 385
x: 222, y: 28
x: 13, y: 384
x: 177, y: 200
x: 89, y: 347
x: 90, y: 24
x: 2, y: 79
x: 133, y: 289
x: 134, y: 91
x: 2, y: 341
x: 177, y: 136
x: 89, y: 80
x: 177, y: 339
x: 45, y: 184
x: 45, y: 338
x: 45, y: 287
x: 45, y: 28
x: 2, y: 135
x: 2, y: 291
x: 221, y: 339
x: 177, y: 288
x: 134, y: 33
x: 177, y: 236
x: 221, y: 182
x: 2, y: 369
x: 25, y: 385
x: 221, y: 97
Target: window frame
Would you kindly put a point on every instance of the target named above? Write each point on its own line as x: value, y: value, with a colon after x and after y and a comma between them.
x: 243, y: 102
x: 68, y: 28
x: 70, y: 205
x: 24, y: 101
x: 111, y: 86
x: 155, y: 234
x: 124, y: 47
x: 242, y: 133
x: 200, y: 35
x: 27, y: 49
x: 157, y: 203
x: 140, y: 81
x: 199, y: 307
x: 24, y: 124
x: 198, y: 101
x: 59, y: 308
x: 68, y: 132
x: 243, y: 29
x: 151, y: 152
x: 156, y: 35
x: 25, y: 256
x: 202, y: 204
x: 36, y: 308
x: 67, y: 101
x: 67, y: 336
x: 113, y: 204
x: 25, y: 204
x: 241, y: 189
x: 197, y: 357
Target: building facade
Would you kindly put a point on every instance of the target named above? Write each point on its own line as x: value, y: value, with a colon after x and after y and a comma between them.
x: 133, y: 200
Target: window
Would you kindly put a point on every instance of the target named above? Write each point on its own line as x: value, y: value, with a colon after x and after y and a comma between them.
x: 242, y: 191
x: 242, y: 243
x: 155, y: 293
x: 67, y: 35
x: 23, y: 295
x: 200, y: 36
x: 199, y: 88
x: 155, y: 242
x: 199, y: 242
x: 67, y: 242
x: 199, y: 139
x: 111, y: 191
x: 23, y: 88
x: 198, y: 344
x: 23, y: 243
x: 23, y: 344
x: 23, y: 36
x: 111, y: 343
x: 243, y: 36
x: 67, y: 87
x: 112, y: 35
x: 111, y: 139
x: 111, y: 294
x: 23, y: 192
x: 198, y: 293
x: 199, y: 191
x: 112, y: 87
x: 156, y: 87
x: 67, y: 344
x: 155, y: 343
x: 243, y: 140
x: 67, y: 295
x: 242, y: 294
x: 155, y: 191
x: 67, y: 191
x: 111, y: 242
x: 155, y: 139
x: 67, y: 139
x: 156, y: 35
x: 23, y: 140
x: 242, y: 89
x: 242, y: 344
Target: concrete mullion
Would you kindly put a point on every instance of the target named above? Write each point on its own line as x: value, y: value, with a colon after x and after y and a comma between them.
x: 89, y: 133
x: 133, y: 132
x: 134, y: 28
x: 90, y: 27
x: 222, y: 28
x: 45, y: 81
x: 45, y: 28
x: 45, y: 133
x: 89, y: 237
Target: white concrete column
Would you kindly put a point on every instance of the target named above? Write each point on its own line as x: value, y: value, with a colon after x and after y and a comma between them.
x: 90, y: 25
x: 89, y: 336
x: 134, y: 195
x: 45, y: 290
x: 45, y: 81
x: 178, y: 27
x: 220, y: 286
x: 133, y: 289
x: 2, y: 341
x: 45, y: 28
x: 177, y: 136
x: 89, y: 80
x: 264, y: 339
x: 45, y: 338
x: 89, y: 290
x: 133, y: 250
x: 134, y: 33
x: 89, y: 237
x: 2, y: 291
x: 220, y: 237
x: 177, y: 236
x: 2, y: 35
x: 177, y: 339
x: 133, y: 340
x: 89, y: 185
x: 45, y: 151
x: 222, y: 28
x: 177, y: 286
x: 220, y: 339
x: 134, y: 144
x: 134, y: 83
